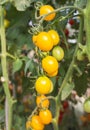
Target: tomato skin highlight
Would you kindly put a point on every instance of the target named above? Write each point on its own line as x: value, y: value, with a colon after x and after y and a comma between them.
x: 55, y: 36
x: 50, y: 64
x: 58, y: 53
x: 44, y: 41
x: 45, y: 9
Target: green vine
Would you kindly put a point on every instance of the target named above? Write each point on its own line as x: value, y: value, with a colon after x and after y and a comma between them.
x: 4, y: 79
x: 87, y: 25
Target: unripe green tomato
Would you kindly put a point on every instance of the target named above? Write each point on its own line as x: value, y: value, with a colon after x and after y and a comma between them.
x: 86, y: 105
x: 6, y: 23
x: 58, y: 53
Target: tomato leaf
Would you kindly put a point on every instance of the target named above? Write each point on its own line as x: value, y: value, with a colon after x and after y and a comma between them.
x: 67, y: 90
x: 17, y: 65
x: 3, y: 1
x: 29, y: 65
x: 80, y: 3
x: 22, y: 5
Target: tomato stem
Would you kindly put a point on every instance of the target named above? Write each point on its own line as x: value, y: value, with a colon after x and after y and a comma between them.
x: 11, y: 56
x: 87, y: 27
x: 58, y: 10
x: 5, y: 82
x: 71, y: 67
x: 54, y: 122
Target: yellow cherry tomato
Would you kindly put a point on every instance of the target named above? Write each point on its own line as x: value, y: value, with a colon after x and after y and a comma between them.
x: 45, y: 116
x: 6, y: 23
x: 53, y: 74
x: 28, y: 124
x: 43, y: 85
x: 44, y: 41
x: 40, y: 101
x: 55, y: 36
x: 36, y: 123
x: 50, y: 64
x: 34, y: 39
x: 45, y: 9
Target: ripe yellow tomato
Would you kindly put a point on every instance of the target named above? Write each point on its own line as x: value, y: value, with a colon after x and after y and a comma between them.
x: 6, y: 23
x: 28, y: 124
x: 34, y: 39
x: 36, y: 123
x: 53, y: 74
x: 58, y: 53
x: 40, y: 101
x: 45, y: 9
x: 50, y: 64
x: 55, y: 36
x: 45, y: 116
x: 43, y: 85
x: 44, y: 41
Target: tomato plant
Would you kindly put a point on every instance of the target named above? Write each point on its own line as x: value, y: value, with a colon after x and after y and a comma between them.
x: 45, y: 64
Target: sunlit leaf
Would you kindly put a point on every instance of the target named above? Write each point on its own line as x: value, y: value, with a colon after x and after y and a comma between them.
x: 80, y: 3
x: 22, y: 5
x: 67, y: 90
x: 3, y: 1
x: 29, y: 66
x: 17, y: 65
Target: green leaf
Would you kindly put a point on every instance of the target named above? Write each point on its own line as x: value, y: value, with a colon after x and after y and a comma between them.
x: 67, y: 90
x: 3, y: 1
x: 2, y: 115
x: 29, y: 65
x: 17, y: 65
x: 22, y: 5
x: 80, y: 3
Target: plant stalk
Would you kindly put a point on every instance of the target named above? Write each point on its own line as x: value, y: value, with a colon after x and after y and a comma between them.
x: 5, y: 82
x: 87, y: 27
x: 71, y: 67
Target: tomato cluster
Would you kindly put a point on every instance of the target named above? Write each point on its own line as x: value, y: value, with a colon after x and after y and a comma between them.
x: 42, y: 117
x: 46, y: 42
x: 49, y: 42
